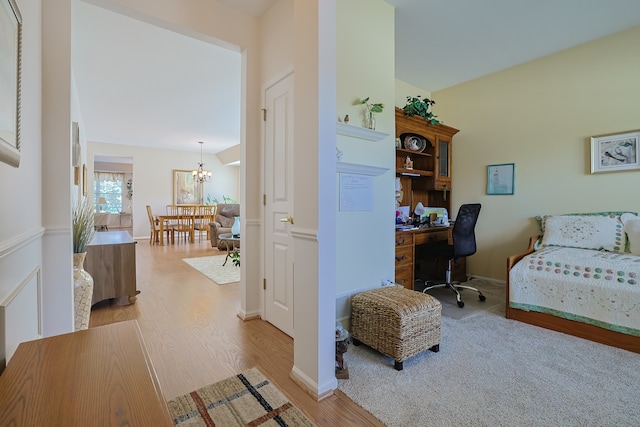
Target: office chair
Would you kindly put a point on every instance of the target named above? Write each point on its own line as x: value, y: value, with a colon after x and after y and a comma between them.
x: 464, y: 244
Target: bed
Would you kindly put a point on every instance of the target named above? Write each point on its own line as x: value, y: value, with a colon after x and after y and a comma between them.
x: 581, y: 277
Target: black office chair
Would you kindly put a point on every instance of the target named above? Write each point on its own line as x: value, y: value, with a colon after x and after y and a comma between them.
x: 464, y: 244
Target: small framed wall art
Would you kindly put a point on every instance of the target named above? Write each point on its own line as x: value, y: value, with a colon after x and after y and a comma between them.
x: 615, y: 152
x: 501, y: 179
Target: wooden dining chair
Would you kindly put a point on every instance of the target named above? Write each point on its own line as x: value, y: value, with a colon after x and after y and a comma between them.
x: 206, y: 213
x: 154, y: 228
x: 185, y: 225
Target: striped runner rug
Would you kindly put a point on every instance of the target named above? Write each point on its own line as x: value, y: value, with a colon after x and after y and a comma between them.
x: 247, y: 399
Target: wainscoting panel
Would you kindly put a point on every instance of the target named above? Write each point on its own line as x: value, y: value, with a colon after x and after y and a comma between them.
x: 20, y: 316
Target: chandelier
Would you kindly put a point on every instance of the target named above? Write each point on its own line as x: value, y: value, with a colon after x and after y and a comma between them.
x: 201, y: 175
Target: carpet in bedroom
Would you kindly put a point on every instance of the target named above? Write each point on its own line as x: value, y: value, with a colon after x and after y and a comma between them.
x: 493, y: 371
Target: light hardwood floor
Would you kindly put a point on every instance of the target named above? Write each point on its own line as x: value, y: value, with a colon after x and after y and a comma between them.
x: 194, y: 337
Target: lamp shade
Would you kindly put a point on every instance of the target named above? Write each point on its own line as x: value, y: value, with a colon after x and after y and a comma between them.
x: 419, y: 210
x: 102, y: 201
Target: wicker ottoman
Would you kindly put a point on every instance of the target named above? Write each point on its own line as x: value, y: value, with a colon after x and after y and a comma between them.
x: 397, y: 322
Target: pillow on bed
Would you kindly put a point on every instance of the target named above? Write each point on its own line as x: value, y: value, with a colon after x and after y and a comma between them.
x: 584, y: 231
x: 613, y: 214
x: 632, y: 228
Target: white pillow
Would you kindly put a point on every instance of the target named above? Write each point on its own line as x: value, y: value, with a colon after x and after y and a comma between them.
x: 586, y: 232
x: 632, y: 228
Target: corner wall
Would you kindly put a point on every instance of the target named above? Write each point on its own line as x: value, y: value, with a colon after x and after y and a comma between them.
x: 540, y: 116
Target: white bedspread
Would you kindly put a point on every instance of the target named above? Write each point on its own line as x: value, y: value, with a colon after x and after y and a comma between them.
x: 597, y: 287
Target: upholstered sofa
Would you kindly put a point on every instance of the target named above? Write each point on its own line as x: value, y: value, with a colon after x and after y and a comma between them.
x: 581, y: 277
x: 222, y: 223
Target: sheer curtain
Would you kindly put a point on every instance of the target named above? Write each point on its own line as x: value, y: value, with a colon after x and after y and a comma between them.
x: 110, y: 186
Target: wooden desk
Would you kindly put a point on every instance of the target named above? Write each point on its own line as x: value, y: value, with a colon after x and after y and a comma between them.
x: 406, y: 262
x: 99, y: 376
x: 111, y: 261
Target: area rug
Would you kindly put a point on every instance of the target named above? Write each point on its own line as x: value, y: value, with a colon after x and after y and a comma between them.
x: 247, y: 399
x: 493, y: 371
x: 211, y: 266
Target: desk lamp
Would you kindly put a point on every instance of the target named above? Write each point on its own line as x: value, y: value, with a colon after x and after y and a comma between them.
x: 419, y: 211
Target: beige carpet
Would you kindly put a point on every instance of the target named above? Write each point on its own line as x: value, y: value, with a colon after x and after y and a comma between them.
x: 492, y: 371
x: 211, y: 266
x: 247, y: 399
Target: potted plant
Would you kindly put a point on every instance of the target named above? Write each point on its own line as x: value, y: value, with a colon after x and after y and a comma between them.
x: 370, y: 121
x: 418, y: 106
x: 83, y: 231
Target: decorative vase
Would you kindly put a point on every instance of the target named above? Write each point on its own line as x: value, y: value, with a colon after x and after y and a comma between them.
x: 235, y: 228
x: 371, y: 121
x: 82, y: 292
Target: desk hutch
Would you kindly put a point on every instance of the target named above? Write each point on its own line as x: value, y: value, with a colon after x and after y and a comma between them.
x: 429, y: 182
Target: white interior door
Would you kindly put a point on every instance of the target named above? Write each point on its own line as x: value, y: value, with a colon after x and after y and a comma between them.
x: 278, y: 250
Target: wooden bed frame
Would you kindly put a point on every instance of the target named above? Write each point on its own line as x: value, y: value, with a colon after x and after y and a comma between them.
x: 570, y: 327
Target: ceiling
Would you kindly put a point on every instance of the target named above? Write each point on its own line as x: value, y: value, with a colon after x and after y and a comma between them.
x: 147, y: 86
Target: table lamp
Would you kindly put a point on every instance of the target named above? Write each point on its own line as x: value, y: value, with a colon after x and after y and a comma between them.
x: 101, y: 201
x: 419, y: 211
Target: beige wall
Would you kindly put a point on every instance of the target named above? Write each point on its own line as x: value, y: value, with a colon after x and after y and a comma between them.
x: 540, y: 116
x: 365, y: 68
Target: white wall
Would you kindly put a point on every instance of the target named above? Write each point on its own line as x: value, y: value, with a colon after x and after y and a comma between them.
x: 153, y: 177
x: 540, y: 116
x: 20, y: 188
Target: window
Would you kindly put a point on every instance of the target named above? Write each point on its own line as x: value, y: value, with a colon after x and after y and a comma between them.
x: 110, y: 186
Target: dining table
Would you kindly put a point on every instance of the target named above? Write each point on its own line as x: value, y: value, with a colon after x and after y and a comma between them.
x: 161, y: 220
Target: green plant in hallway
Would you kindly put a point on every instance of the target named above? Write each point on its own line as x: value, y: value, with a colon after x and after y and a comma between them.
x: 235, y: 257
x: 418, y: 106
x: 82, y: 225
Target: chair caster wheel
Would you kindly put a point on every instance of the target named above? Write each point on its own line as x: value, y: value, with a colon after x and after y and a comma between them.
x: 482, y: 297
x: 460, y: 304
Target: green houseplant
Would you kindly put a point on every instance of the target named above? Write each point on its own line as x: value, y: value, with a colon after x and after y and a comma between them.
x: 372, y: 108
x: 418, y: 106
x: 83, y: 231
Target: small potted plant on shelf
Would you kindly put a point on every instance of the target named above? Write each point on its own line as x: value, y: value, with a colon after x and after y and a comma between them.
x: 370, y: 121
x: 418, y: 106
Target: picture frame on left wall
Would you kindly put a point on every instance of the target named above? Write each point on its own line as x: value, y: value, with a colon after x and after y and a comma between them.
x: 10, y: 81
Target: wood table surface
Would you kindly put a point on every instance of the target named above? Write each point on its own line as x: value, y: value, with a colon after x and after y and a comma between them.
x: 96, y: 377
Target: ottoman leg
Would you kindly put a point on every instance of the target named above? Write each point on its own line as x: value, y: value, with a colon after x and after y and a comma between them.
x: 435, y: 348
x: 397, y: 365
x: 356, y: 342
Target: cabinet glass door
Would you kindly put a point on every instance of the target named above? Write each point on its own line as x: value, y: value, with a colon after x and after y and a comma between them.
x: 443, y: 158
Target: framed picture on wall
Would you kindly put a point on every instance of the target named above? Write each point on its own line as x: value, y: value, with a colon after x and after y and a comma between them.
x: 501, y: 179
x: 615, y: 152
x: 10, y: 69
x: 186, y: 190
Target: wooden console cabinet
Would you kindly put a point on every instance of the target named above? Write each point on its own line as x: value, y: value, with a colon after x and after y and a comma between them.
x: 98, y: 376
x: 111, y: 261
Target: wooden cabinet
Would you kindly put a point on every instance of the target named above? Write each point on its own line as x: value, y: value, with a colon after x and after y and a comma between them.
x: 430, y: 180
x: 404, y: 259
x: 111, y: 261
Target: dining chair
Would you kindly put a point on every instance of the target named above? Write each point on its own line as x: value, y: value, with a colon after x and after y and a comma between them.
x: 205, y: 216
x: 154, y: 228
x: 185, y: 225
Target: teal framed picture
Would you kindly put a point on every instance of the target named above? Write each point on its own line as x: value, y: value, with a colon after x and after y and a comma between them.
x: 501, y: 179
